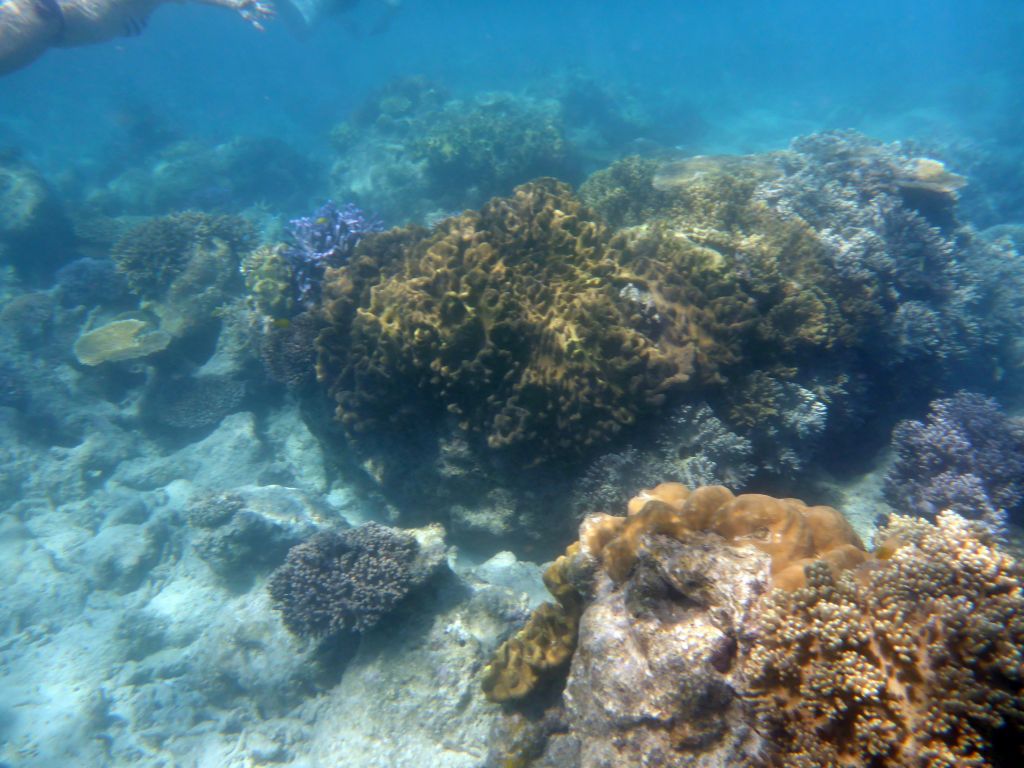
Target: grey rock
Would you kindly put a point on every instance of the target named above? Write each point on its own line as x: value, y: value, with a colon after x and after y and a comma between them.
x: 123, y: 555
x: 653, y: 681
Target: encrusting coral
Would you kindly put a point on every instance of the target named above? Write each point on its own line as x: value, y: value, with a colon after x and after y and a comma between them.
x: 541, y: 650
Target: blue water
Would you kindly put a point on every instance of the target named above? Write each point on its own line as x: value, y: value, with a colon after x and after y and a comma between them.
x: 135, y: 628
x: 757, y: 73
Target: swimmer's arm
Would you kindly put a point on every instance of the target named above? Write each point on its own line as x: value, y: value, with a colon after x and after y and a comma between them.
x: 253, y: 11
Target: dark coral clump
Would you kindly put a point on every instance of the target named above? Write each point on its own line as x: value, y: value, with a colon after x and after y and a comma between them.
x: 491, y: 145
x: 154, y: 253
x: 90, y: 282
x: 967, y: 457
x: 288, y: 352
x: 344, y: 582
x: 193, y: 404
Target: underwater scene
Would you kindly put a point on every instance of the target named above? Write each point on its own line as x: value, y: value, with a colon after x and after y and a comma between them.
x: 451, y: 384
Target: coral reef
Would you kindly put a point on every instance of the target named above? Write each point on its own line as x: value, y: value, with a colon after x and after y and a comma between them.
x: 623, y: 193
x: 152, y: 255
x: 512, y: 320
x: 268, y: 280
x: 36, y: 236
x: 411, y: 152
x: 344, y: 582
x: 89, y: 282
x: 917, y: 661
x: 491, y: 144
x: 192, y: 403
x: 686, y: 657
x: 967, y: 457
x: 227, y: 177
x: 689, y: 445
x: 288, y: 351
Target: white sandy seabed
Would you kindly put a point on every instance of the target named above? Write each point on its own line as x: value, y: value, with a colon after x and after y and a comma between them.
x: 129, y: 636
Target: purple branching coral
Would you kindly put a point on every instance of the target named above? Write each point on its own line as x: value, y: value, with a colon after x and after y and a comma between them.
x: 968, y: 457
x: 325, y: 239
x: 344, y: 582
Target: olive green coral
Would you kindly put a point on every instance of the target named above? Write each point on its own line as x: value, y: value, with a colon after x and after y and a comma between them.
x: 913, y: 661
x: 268, y: 279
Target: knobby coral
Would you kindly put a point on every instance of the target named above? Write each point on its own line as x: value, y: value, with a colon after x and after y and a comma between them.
x: 913, y: 661
x: 348, y: 581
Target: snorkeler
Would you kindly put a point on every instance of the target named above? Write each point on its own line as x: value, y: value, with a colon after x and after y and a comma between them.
x: 29, y: 27
x: 302, y: 15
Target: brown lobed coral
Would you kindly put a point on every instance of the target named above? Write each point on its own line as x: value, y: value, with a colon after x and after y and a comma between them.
x: 793, y: 534
x: 915, y: 660
x: 541, y: 650
x: 518, y: 320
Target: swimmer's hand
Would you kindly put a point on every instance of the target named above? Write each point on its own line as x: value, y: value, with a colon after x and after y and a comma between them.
x: 254, y: 11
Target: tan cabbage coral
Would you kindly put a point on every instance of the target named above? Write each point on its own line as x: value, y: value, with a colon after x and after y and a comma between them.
x: 518, y: 320
x: 915, y: 660
x: 792, y: 533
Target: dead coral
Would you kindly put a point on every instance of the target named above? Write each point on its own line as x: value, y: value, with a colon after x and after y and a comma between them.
x: 914, y: 661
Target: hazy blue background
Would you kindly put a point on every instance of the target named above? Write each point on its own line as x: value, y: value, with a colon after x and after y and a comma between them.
x: 756, y: 72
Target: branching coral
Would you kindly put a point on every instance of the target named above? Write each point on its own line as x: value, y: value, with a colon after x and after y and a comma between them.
x: 338, y: 582
x: 914, y: 661
x: 968, y: 457
x: 152, y: 254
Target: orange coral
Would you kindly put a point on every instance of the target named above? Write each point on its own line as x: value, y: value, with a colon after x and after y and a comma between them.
x: 793, y: 534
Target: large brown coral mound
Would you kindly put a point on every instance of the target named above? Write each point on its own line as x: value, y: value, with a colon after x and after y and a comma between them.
x: 915, y: 662
x: 518, y: 320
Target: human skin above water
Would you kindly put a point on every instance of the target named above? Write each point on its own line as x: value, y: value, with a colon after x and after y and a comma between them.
x: 29, y: 27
